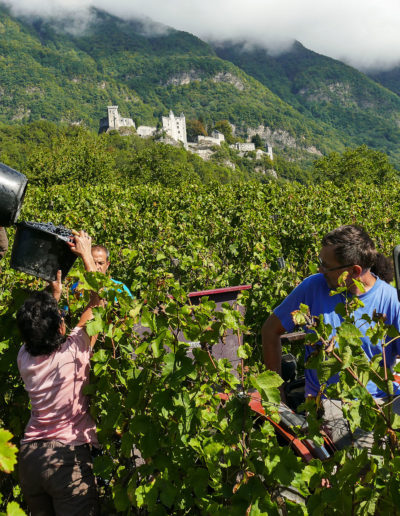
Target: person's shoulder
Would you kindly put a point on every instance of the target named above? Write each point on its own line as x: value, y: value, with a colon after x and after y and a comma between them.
x: 313, y: 281
x: 384, y: 298
x: 21, y: 353
x: 306, y: 290
x: 315, y: 278
x: 123, y: 286
x: 78, y: 337
x: 386, y: 288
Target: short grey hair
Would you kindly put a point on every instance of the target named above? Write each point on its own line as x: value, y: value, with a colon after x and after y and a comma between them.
x: 102, y: 248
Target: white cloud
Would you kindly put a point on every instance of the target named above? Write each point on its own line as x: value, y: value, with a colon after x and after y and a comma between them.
x: 363, y: 33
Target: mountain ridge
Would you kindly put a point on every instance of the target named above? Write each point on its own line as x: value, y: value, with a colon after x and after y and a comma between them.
x: 327, y: 89
x: 48, y: 72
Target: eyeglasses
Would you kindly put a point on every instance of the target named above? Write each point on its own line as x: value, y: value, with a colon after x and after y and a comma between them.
x: 330, y: 269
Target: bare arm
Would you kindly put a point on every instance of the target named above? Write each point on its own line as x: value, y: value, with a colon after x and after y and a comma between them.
x: 271, y: 332
x: 56, y: 287
x: 82, y: 246
x: 3, y: 242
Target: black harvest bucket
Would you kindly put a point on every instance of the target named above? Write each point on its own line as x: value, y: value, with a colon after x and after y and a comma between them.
x: 12, y: 191
x: 41, y: 250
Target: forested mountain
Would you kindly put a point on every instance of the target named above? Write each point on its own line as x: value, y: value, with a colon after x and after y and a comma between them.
x: 306, y: 104
x: 49, y: 72
x: 327, y: 90
x: 388, y: 78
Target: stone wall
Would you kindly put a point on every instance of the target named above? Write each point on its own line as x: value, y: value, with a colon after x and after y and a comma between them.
x: 209, y: 140
x: 145, y: 131
x: 244, y: 147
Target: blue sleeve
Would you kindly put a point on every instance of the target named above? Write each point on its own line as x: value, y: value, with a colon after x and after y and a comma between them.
x: 393, y: 317
x: 126, y: 289
x: 292, y: 303
x: 122, y: 287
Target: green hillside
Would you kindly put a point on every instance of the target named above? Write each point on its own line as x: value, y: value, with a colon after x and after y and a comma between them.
x: 389, y: 78
x: 307, y: 103
x: 329, y: 91
x: 49, y: 72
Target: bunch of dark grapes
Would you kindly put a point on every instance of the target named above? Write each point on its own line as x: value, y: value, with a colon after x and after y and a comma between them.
x: 49, y: 227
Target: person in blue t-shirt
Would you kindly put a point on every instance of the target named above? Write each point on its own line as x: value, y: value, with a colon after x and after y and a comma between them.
x: 101, y: 257
x: 347, y: 248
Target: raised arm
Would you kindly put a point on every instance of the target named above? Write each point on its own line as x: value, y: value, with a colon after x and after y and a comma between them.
x: 82, y: 246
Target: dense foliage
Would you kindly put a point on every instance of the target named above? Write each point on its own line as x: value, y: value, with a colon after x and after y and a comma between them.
x: 175, y: 224
x: 194, y: 128
x: 49, y: 154
x: 388, y: 78
x: 199, y: 456
x: 364, y: 164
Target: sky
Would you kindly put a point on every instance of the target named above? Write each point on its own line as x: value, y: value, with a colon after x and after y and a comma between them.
x: 362, y: 33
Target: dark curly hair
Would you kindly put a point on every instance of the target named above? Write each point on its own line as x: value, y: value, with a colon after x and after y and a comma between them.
x: 39, y: 322
x: 353, y: 245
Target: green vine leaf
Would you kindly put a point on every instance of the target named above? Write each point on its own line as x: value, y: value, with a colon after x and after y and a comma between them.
x: 8, y: 451
x: 267, y: 384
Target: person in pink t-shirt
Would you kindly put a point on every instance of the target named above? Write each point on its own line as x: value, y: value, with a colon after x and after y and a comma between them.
x: 55, y: 463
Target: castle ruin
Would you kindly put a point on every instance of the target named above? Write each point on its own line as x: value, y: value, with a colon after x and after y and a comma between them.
x: 174, y: 128
x: 268, y: 151
x: 114, y: 121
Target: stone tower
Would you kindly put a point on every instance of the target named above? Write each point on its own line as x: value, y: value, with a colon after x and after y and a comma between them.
x: 114, y: 121
x: 268, y: 150
x: 175, y: 127
x: 113, y: 117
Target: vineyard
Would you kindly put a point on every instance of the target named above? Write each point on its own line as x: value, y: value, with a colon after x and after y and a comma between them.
x: 199, y: 455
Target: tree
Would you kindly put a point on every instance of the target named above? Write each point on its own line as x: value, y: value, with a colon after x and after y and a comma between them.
x: 77, y: 157
x: 162, y: 164
x: 363, y: 163
x: 224, y: 127
x: 194, y: 128
x: 256, y: 139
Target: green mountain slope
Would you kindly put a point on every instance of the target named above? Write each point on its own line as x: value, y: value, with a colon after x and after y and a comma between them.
x: 304, y: 103
x: 389, y: 78
x: 360, y: 109
x: 49, y: 71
